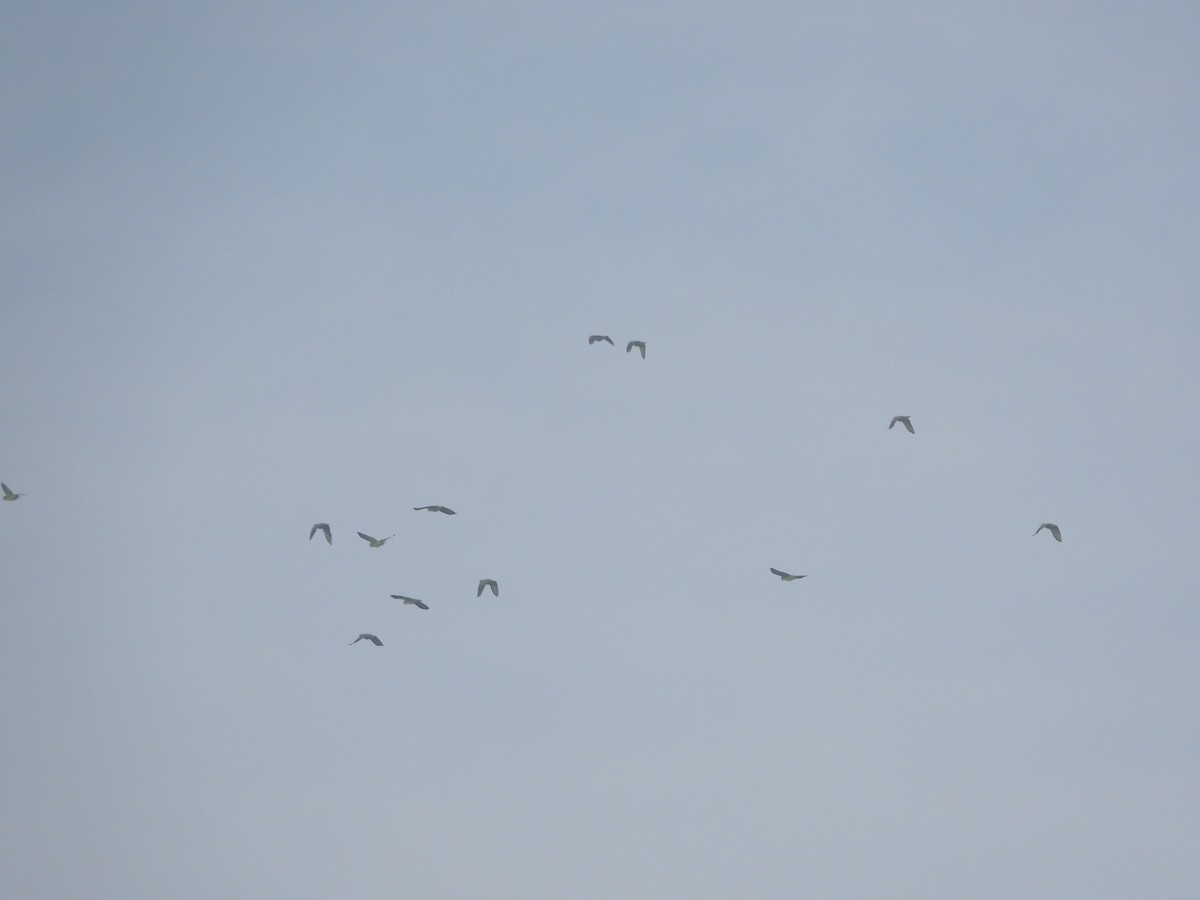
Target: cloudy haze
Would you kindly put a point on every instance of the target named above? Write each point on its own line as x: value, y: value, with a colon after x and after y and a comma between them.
x: 268, y: 265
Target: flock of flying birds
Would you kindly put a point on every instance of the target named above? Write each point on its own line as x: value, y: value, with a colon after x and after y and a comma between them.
x: 490, y: 583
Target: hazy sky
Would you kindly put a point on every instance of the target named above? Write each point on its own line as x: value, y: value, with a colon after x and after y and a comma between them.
x: 264, y: 265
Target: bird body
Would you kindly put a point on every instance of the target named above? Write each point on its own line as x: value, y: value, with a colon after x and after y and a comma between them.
x: 8, y: 494
x: 641, y: 345
x: 1054, y: 530
x: 787, y: 577
x: 374, y: 542
x: 322, y: 526
x: 411, y: 601
x: 600, y: 337
x: 437, y: 509
x: 488, y: 583
x: 903, y: 420
x: 367, y: 637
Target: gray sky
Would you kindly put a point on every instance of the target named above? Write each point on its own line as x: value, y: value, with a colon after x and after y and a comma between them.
x: 308, y: 263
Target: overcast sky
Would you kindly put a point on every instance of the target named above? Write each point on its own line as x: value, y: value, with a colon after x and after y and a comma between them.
x: 266, y: 265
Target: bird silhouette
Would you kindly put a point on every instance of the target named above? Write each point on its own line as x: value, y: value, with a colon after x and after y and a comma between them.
x: 412, y: 601
x: 374, y: 542
x: 903, y: 420
x: 488, y: 583
x: 785, y: 576
x: 367, y: 637
x: 442, y: 509
x: 321, y: 526
x: 8, y: 494
x: 641, y: 345
x: 600, y: 337
x: 1054, y: 530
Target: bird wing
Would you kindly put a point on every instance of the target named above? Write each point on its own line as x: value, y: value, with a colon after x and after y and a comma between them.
x: 605, y: 337
x: 419, y: 604
x: 479, y: 592
x: 374, y: 640
x: 447, y: 510
x: 1057, y: 534
x: 895, y: 419
x: 495, y: 588
x: 7, y: 491
x: 365, y: 537
x: 777, y: 572
x: 908, y: 425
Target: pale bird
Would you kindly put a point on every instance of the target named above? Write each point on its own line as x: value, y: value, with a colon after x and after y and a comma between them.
x: 8, y: 494
x: 322, y: 526
x: 1053, y: 530
x: 641, y: 345
x: 785, y: 576
x: 488, y: 583
x: 411, y: 601
x: 600, y: 337
x: 903, y: 420
x: 442, y: 509
x: 374, y: 542
x: 367, y: 637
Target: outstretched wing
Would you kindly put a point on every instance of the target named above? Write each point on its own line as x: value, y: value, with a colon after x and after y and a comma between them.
x: 908, y: 425
x: 777, y: 572
x: 366, y: 537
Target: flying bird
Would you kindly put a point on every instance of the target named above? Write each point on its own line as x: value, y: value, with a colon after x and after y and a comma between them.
x: 412, y: 601
x: 367, y: 637
x: 321, y: 526
x: 374, y: 542
x: 1053, y: 530
x: 785, y: 576
x: 442, y: 509
x: 8, y: 494
x: 488, y: 583
x: 641, y: 345
x: 600, y: 337
x: 904, y: 420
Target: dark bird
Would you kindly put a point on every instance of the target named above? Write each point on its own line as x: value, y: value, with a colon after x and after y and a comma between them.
x: 374, y: 542
x: 412, y: 601
x: 600, y: 337
x: 902, y: 420
x: 488, y: 583
x: 367, y: 637
x: 442, y: 509
x: 321, y: 526
x: 8, y: 494
x: 785, y: 576
x: 1053, y: 530
x: 641, y: 345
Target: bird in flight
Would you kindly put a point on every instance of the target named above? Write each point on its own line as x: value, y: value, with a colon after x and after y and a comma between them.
x: 412, y: 601
x: 785, y: 576
x: 600, y: 337
x: 641, y: 345
x: 374, y: 542
x: 8, y: 494
x: 1053, y: 530
x: 442, y: 509
x: 488, y: 583
x: 903, y: 420
x: 321, y: 526
x: 367, y: 637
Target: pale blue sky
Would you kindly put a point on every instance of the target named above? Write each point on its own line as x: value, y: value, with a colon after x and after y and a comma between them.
x: 307, y: 263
